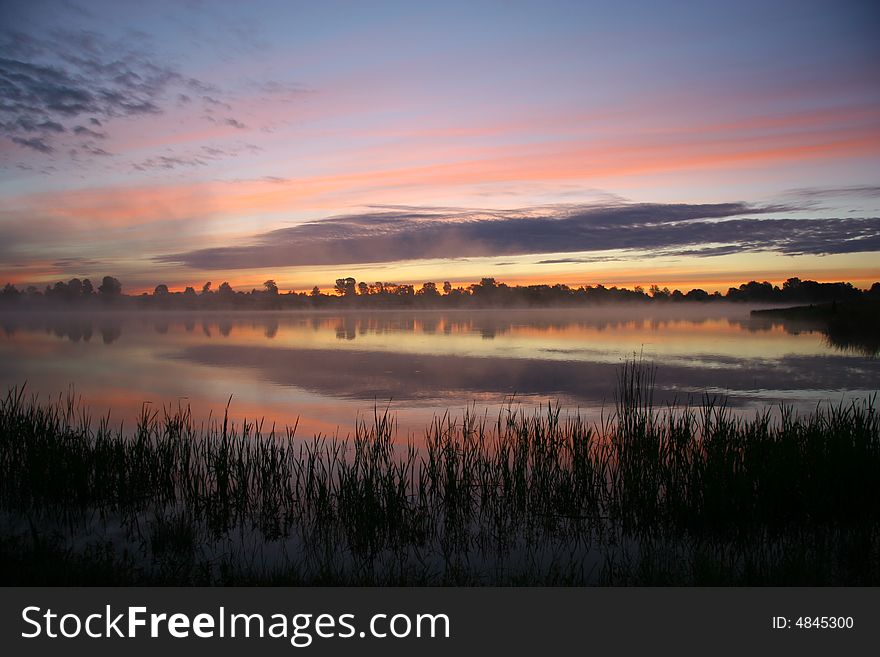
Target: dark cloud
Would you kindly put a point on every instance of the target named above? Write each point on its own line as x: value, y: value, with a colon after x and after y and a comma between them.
x: 209, y: 100
x: 283, y: 88
x: 669, y: 229
x: 708, y: 251
x: 94, y: 150
x: 582, y: 260
x: 200, y: 157
x: 831, y: 192
x: 169, y: 162
x: 35, y: 143
x: 83, y: 131
x: 46, y: 83
x: 73, y: 264
x: 27, y: 124
x: 235, y: 124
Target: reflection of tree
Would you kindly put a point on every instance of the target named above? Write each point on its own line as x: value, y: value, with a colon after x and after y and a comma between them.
x: 346, y: 329
x: 110, y: 332
x: 865, y: 342
x: 848, y: 326
x: 856, y: 328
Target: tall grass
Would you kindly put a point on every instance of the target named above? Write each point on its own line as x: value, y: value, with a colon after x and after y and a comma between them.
x: 671, y: 495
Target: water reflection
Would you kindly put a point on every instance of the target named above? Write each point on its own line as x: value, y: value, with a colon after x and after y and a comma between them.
x: 327, y: 368
x: 487, y: 325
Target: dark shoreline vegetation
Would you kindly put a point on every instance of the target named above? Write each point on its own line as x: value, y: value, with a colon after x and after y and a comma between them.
x: 349, y: 293
x: 848, y: 326
x: 650, y: 496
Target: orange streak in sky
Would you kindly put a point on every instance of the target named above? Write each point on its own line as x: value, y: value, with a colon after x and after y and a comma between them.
x: 616, y: 160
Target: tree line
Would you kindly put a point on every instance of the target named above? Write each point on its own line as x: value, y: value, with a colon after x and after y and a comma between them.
x: 348, y: 292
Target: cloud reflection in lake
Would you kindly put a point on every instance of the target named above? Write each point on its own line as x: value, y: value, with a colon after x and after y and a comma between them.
x: 327, y: 369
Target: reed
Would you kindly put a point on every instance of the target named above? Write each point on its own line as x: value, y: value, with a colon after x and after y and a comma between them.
x: 689, y: 495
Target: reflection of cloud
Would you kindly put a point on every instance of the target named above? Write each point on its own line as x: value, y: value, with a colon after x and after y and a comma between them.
x: 409, y: 234
x: 366, y: 374
x: 369, y: 375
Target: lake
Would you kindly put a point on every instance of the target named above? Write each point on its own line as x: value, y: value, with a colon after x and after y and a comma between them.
x: 324, y: 371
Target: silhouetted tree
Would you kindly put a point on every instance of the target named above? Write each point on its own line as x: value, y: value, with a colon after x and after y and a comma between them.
x: 428, y: 290
x: 658, y: 294
x: 345, y: 287
x: 110, y: 288
x: 10, y: 293
x: 697, y: 295
x: 74, y: 288
x: 488, y: 291
x: 225, y: 290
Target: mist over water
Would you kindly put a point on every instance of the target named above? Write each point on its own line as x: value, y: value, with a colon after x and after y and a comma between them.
x: 326, y: 370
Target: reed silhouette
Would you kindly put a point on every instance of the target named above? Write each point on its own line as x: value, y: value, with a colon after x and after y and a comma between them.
x: 650, y: 495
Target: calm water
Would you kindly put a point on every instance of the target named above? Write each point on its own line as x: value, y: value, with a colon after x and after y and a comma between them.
x: 326, y: 370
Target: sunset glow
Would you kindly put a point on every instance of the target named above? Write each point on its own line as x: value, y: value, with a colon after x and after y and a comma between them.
x: 171, y: 144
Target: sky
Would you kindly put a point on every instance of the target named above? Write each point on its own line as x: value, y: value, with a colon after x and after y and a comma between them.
x: 624, y: 143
